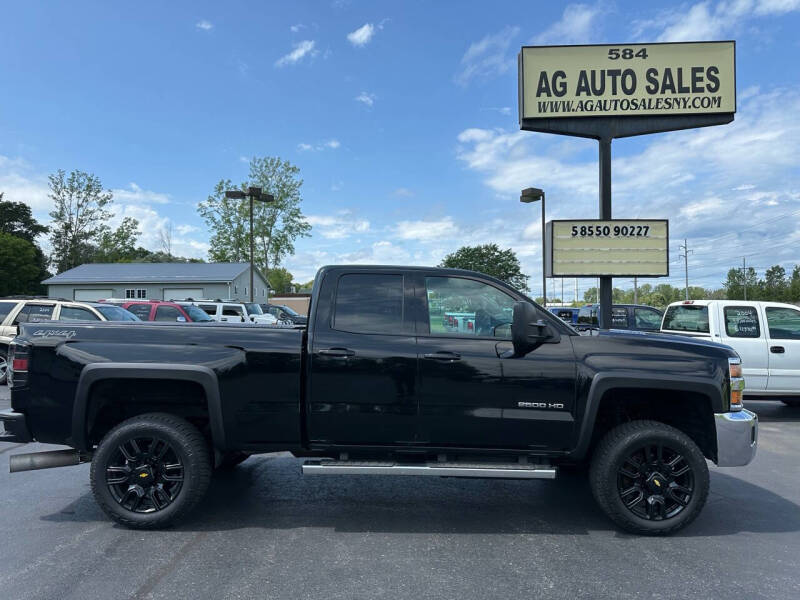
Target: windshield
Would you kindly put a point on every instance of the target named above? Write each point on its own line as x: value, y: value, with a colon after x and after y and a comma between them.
x: 686, y: 317
x: 289, y: 310
x: 116, y: 313
x: 253, y: 308
x: 197, y: 315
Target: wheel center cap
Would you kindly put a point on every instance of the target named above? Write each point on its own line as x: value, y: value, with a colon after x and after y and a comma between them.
x: 657, y: 483
x: 143, y: 475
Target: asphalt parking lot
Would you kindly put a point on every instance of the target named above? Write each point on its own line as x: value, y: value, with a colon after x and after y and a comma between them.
x: 264, y: 531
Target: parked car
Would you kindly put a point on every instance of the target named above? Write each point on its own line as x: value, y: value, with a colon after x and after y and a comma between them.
x: 285, y: 314
x: 233, y: 311
x: 376, y: 386
x: 159, y: 310
x: 565, y: 313
x: 765, y: 334
x: 14, y: 311
x: 633, y: 317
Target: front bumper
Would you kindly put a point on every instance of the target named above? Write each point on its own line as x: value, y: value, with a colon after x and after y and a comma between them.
x: 13, y: 428
x: 737, y: 438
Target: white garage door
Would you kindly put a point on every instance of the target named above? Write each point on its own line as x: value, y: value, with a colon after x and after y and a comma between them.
x: 92, y: 295
x: 182, y: 293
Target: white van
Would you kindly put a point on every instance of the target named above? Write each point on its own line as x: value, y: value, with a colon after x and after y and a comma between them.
x: 766, y: 335
x: 234, y: 312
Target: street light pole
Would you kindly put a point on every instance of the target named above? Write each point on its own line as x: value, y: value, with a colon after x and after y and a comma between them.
x: 253, y: 194
x: 527, y: 196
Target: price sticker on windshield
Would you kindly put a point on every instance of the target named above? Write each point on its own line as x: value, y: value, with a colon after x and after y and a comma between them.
x: 616, y: 248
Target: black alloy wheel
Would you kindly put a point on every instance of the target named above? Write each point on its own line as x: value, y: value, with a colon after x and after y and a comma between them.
x: 3, y: 366
x: 145, y: 474
x: 655, y: 482
x: 649, y: 478
x: 149, y: 471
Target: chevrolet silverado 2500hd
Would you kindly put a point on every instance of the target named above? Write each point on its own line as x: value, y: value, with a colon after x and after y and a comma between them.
x: 382, y: 382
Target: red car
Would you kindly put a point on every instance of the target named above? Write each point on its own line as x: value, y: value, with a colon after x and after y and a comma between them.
x: 157, y: 310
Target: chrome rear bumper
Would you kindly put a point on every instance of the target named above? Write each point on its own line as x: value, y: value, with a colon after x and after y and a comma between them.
x: 737, y: 438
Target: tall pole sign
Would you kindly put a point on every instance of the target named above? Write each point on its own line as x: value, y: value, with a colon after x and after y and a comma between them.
x: 621, y: 90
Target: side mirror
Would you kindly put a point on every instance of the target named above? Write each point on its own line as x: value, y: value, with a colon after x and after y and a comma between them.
x: 528, y: 330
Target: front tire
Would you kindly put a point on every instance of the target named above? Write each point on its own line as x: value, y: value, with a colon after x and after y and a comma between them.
x: 150, y: 471
x: 649, y: 478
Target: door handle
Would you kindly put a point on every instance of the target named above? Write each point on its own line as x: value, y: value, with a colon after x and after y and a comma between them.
x: 337, y: 352
x: 777, y: 349
x: 443, y: 356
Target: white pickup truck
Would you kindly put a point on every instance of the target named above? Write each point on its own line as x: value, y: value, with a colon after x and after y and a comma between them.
x: 766, y: 335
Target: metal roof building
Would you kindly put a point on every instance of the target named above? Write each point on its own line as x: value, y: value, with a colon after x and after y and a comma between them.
x: 163, y: 281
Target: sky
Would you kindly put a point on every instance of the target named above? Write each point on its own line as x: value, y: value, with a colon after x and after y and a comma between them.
x: 402, y: 117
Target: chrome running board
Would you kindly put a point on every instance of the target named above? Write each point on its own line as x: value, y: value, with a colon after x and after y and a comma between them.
x: 433, y: 469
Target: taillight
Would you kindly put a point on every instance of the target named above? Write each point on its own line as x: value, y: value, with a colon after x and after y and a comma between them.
x: 737, y: 383
x: 18, y: 362
x: 470, y: 326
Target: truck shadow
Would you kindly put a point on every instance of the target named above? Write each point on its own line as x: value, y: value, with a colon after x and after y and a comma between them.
x: 769, y: 411
x: 269, y: 492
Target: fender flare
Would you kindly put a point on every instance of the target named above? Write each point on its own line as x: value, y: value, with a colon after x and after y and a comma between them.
x: 602, y: 383
x: 94, y: 373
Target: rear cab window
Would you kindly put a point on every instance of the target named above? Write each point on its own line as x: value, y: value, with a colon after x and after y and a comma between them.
x: 692, y: 318
x: 369, y: 303
x: 76, y: 313
x: 741, y: 322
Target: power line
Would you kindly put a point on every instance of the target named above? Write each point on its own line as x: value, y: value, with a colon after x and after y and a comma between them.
x: 685, y: 256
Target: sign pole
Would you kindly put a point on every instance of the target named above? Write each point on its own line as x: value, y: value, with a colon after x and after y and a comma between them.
x: 606, y: 283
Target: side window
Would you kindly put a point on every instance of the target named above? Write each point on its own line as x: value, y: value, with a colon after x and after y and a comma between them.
x: 141, y: 310
x: 464, y: 307
x: 783, y: 323
x: 647, y: 318
x: 619, y: 317
x: 5, y: 308
x: 369, y: 303
x: 168, y: 313
x: 585, y: 316
x: 210, y: 309
x: 35, y: 313
x: 75, y: 313
x: 742, y: 322
x: 231, y: 310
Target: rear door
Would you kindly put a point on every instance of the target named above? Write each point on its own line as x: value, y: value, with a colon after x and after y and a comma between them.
x: 363, y: 363
x: 742, y: 328
x: 472, y: 392
x: 783, y: 331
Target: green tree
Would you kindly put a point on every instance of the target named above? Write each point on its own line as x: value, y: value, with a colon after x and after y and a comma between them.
x: 21, y: 269
x: 735, y: 284
x: 276, y: 225
x: 775, y: 285
x: 280, y: 280
x: 794, y: 285
x: 79, y: 217
x: 16, y: 219
x: 119, y: 245
x: 489, y: 259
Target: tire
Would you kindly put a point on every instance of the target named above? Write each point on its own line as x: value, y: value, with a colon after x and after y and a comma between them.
x: 794, y: 403
x: 231, y: 459
x: 645, y: 490
x: 3, y: 366
x: 162, y: 482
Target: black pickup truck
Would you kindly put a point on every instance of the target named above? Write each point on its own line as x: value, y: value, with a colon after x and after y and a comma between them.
x: 401, y: 370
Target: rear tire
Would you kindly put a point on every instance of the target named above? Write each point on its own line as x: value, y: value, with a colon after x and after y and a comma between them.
x: 150, y: 471
x: 649, y: 478
x: 3, y: 365
x: 794, y: 403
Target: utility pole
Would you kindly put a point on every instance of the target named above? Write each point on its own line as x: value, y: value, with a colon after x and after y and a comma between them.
x: 635, y: 291
x: 254, y: 194
x: 744, y: 275
x: 685, y: 257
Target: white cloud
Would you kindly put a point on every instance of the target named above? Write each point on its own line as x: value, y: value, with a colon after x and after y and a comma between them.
x: 137, y: 195
x: 204, y: 25
x: 366, y: 98
x: 19, y: 183
x: 184, y: 229
x: 576, y: 26
x: 487, y: 57
x: 296, y: 28
x: 331, y: 144
x: 404, y: 192
x: 426, y: 231
x: 361, y: 36
x: 339, y: 226
x: 300, y: 51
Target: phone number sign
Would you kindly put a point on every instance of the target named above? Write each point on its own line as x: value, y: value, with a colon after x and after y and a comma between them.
x: 617, y: 248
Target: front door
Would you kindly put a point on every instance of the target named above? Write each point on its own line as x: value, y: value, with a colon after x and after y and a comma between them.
x: 364, y: 361
x: 783, y: 330
x: 473, y: 392
x: 742, y: 329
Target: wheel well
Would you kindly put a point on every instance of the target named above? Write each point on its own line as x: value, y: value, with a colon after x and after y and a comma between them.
x: 112, y: 401
x: 689, y: 412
